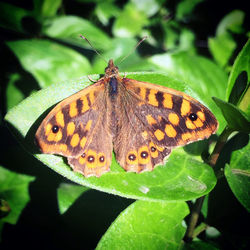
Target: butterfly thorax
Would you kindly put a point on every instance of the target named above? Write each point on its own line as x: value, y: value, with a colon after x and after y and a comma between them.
x: 112, y: 79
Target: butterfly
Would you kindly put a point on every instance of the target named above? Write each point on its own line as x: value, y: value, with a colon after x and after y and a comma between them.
x: 140, y: 121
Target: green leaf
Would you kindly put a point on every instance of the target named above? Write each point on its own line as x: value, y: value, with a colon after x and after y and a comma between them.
x: 11, y: 17
x: 238, y: 175
x: 49, y: 62
x: 231, y: 22
x: 222, y: 48
x: 105, y: 10
x: 148, y: 7
x: 183, y: 178
x: 67, y: 194
x: 147, y: 225
x: 130, y: 22
x: 13, y: 94
x: 14, y: 191
x: 46, y: 8
x: 235, y: 118
x: 200, y: 74
x: 185, y: 7
x: 68, y: 29
x: 242, y: 63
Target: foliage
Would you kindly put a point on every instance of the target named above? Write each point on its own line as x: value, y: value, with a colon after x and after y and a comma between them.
x: 44, y: 52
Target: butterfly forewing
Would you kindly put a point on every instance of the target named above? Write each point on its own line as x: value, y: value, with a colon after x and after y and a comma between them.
x: 173, y: 117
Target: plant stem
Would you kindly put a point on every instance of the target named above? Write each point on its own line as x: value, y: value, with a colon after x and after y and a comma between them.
x: 195, y: 212
x: 219, y: 145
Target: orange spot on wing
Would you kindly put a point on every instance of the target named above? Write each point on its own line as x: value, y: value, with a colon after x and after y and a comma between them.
x: 152, y: 98
x: 201, y: 115
x: 70, y: 128
x: 74, y: 140
x: 60, y: 118
x: 83, y: 141
x: 73, y: 109
x: 150, y: 119
x: 159, y: 134
x: 85, y: 104
x: 82, y: 160
x: 167, y: 102
x: 198, y: 123
x: 185, y: 107
x: 88, y: 125
x: 143, y: 93
x: 170, y: 131
x: 173, y: 118
x: 48, y: 129
x: 190, y: 124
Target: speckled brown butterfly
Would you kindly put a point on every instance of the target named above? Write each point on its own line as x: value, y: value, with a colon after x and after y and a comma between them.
x: 140, y: 121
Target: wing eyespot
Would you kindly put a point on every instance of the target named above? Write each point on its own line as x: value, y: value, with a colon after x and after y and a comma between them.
x: 153, y: 149
x: 144, y: 154
x: 102, y: 159
x: 91, y: 158
x: 193, y: 117
x: 55, y: 129
x: 132, y: 157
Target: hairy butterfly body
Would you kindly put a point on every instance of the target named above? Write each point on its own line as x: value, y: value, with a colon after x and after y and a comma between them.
x: 140, y: 121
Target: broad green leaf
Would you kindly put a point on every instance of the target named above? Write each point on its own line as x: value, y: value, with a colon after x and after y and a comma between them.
x: 49, y: 62
x: 222, y: 48
x: 200, y: 74
x: 14, y: 190
x: 238, y: 175
x: 11, y: 17
x: 68, y: 29
x: 242, y: 63
x: 67, y: 194
x: 235, y: 118
x: 183, y: 178
x: 147, y: 225
x: 130, y: 22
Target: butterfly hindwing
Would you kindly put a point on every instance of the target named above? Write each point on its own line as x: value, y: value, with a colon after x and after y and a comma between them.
x: 97, y: 155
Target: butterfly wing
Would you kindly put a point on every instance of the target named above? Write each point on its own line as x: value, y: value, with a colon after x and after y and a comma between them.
x: 71, y: 129
x: 156, y: 119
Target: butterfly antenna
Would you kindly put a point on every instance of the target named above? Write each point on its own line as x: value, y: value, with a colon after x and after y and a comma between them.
x: 84, y: 38
x: 132, y: 51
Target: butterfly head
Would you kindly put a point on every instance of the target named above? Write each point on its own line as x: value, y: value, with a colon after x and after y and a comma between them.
x: 111, y: 70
